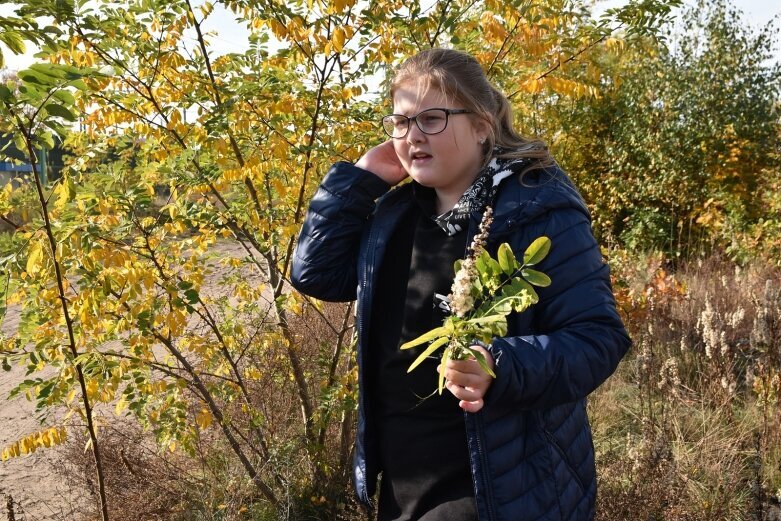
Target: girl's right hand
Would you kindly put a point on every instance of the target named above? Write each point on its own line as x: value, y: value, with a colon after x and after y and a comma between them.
x: 384, y: 163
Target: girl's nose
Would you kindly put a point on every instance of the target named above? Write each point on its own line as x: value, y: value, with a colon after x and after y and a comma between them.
x: 414, y: 134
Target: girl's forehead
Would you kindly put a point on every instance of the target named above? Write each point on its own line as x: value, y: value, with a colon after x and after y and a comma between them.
x: 414, y: 96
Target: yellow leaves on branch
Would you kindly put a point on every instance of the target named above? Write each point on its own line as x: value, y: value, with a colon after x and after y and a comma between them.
x: 173, y: 323
x: 337, y: 41
x: 615, y: 44
x: 561, y: 86
x: 233, y: 174
x: 5, y: 197
x: 278, y: 29
x: 492, y: 28
x: 338, y: 6
x: 32, y: 442
x: 299, y: 31
x: 206, y: 9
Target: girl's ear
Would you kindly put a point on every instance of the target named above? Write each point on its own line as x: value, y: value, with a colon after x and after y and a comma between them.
x: 482, y: 129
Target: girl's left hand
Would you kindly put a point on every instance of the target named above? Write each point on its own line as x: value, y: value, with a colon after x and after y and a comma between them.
x: 467, y: 380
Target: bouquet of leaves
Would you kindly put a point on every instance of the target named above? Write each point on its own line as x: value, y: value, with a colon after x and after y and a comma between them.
x: 485, y: 290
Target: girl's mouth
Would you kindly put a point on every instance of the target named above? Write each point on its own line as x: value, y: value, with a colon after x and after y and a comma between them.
x: 420, y: 157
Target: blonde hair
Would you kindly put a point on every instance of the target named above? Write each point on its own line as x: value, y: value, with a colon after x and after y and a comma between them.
x: 460, y: 78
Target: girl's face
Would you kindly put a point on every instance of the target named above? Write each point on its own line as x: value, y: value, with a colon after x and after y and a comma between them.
x: 448, y: 161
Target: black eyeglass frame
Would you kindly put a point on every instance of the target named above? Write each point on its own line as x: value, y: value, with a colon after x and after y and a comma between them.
x: 448, y: 113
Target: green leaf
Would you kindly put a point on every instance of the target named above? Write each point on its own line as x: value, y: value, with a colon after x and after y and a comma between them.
x: 29, y: 76
x: 30, y: 93
x: 528, y: 287
x: 487, y: 319
x: 192, y: 295
x: 79, y: 84
x: 536, y: 251
x: 481, y: 263
x: 59, y: 111
x: 480, y: 357
x: 14, y: 41
x: 64, y: 96
x: 494, y: 267
x: 428, y: 351
x: 46, y: 390
x: 6, y: 94
x: 506, y: 259
x: 425, y: 337
x: 19, y: 142
x: 445, y: 357
x: 58, y: 128
x: 503, y: 306
x: 46, y: 139
x: 56, y: 72
x: 521, y: 294
x: 537, y: 278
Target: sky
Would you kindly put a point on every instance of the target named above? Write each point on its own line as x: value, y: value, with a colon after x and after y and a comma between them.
x: 231, y: 37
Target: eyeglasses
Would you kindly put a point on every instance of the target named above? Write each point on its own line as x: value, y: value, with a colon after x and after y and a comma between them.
x: 430, y: 121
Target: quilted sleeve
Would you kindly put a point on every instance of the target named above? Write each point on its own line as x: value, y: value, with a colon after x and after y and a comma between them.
x: 579, y: 337
x: 325, y: 261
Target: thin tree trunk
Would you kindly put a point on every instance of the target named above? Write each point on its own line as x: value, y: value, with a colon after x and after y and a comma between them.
x: 88, y: 413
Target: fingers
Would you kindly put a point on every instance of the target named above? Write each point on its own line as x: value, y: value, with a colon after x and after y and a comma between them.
x: 383, y: 162
x: 468, y: 373
x: 468, y: 382
x: 467, y: 394
x: 471, y: 406
x: 466, y: 376
x: 470, y: 400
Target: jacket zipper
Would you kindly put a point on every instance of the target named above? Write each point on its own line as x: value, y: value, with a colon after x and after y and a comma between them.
x: 477, y: 418
x: 361, y: 340
x: 477, y: 432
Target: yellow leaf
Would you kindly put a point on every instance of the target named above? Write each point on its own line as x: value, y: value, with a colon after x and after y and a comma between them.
x: 35, y: 259
x: 338, y: 39
x: 203, y: 419
x: 92, y: 389
x: 614, y: 44
x: 280, y: 187
x: 27, y: 445
x: 532, y: 86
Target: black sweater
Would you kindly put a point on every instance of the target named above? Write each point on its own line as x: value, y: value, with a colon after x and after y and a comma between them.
x: 423, y: 450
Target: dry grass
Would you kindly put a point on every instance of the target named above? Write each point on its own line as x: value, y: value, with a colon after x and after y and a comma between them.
x: 696, y: 402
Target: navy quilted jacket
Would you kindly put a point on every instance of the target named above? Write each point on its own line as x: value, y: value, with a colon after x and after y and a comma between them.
x: 531, y: 452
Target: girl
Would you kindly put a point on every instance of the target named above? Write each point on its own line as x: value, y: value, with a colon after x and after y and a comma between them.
x: 517, y: 447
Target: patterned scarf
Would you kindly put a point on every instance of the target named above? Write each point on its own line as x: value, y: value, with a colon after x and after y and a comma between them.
x: 481, y: 193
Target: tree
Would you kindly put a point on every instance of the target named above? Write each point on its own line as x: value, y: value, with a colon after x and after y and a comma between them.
x: 686, y: 148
